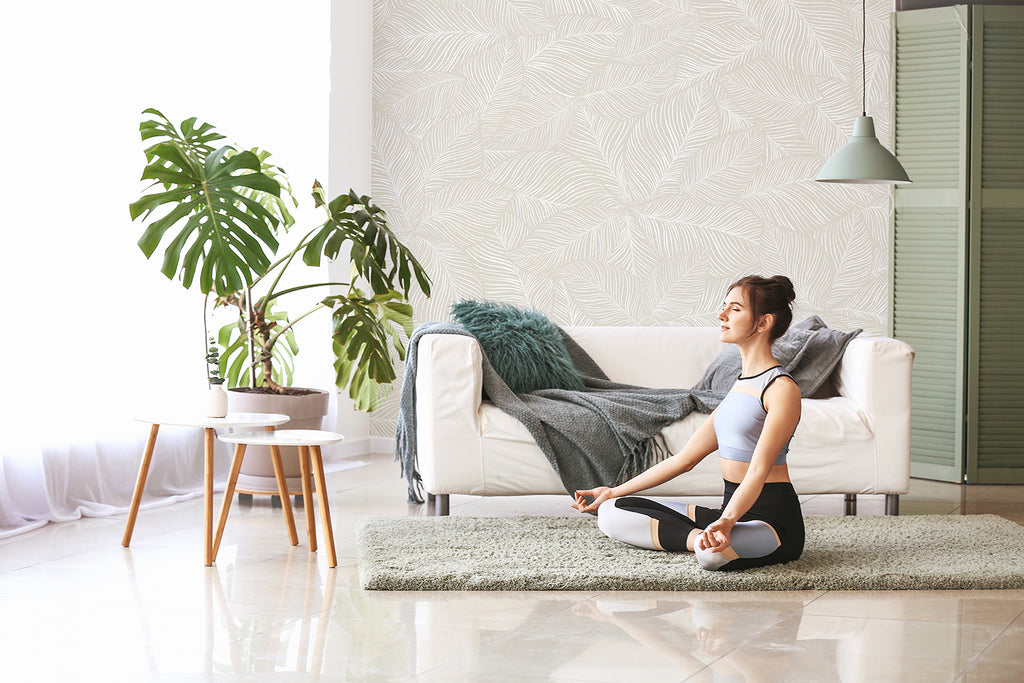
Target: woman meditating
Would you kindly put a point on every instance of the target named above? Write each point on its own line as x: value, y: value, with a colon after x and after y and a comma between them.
x: 760, y: 522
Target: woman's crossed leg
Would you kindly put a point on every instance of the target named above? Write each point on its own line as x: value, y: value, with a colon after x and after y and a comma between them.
x: 663, y: 525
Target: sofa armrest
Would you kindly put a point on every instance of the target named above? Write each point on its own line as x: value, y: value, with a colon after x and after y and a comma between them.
x: 875, y: 373
x: 449, y: 390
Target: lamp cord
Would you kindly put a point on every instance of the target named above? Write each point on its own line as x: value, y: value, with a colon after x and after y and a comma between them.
x: 863, y: 58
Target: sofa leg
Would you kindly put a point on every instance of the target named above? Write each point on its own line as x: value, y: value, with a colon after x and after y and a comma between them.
x: 892, y: 504
x: 851, y: 504
x: 441, y: 505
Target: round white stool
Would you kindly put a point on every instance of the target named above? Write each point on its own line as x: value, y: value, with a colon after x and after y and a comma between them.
x: 309, y: 442
x: 209, y: 424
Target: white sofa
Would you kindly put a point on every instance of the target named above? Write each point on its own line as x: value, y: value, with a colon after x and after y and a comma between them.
x: 853, y: 443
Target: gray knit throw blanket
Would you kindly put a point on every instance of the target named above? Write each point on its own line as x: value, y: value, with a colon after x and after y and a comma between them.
x: 598, y: 437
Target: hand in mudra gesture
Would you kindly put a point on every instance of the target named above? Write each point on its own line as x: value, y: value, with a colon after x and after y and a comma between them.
x: 716, y: 536
x: 600, y: 495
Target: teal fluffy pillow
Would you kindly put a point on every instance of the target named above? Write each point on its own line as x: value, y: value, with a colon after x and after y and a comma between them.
x: 524, y: 347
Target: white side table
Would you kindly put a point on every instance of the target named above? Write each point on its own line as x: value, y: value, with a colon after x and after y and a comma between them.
x: 308, y: 440
x: 209, y: 424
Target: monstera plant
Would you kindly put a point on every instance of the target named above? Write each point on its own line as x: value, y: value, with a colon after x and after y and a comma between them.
x: 219, y: 211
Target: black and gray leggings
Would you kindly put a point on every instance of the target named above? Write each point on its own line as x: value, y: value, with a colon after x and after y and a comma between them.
x: 771, y: 532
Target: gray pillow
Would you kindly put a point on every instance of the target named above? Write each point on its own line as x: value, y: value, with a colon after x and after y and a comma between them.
x: 809, y: 351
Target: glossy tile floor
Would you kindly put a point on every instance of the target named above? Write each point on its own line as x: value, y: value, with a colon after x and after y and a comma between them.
x: 75, y: 605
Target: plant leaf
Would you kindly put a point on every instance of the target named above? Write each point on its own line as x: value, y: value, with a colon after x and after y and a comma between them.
x: 377, y: 253
x: 364, y: 336
x: 225, y: 204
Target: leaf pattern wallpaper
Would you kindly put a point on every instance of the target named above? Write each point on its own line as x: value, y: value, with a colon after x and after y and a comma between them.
x: 620, y: 162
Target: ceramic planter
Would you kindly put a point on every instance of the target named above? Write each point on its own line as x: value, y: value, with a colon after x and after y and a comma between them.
x: 306, y: 411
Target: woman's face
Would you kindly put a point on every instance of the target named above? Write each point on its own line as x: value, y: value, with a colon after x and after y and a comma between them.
x: 736, y: 320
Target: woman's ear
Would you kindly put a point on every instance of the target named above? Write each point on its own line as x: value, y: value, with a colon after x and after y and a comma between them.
x: 766, y: 322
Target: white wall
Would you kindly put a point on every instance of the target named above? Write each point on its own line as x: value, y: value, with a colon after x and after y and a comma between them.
x: 349, y: 141
x: 621, y: 161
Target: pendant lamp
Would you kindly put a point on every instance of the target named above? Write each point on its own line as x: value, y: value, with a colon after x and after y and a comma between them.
x: 863, y: 159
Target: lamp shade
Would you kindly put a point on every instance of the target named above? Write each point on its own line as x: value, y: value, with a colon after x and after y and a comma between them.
x: 863, y: 159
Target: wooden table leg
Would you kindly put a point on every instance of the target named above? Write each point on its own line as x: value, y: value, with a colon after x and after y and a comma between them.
x: 208, y: 499
x: 307, y: 497
x: 229, y: 491
x: 140, y: 484
x: 325, y: 510
x: 282, y: 490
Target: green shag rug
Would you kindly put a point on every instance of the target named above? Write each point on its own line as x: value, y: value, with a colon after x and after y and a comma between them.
x: 570, y: 553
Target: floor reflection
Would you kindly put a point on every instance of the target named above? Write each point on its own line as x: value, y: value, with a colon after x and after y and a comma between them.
x: 757, y: 640
x: 243, y: 635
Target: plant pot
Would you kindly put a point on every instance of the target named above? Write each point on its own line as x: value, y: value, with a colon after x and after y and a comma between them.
x: 306, y: 411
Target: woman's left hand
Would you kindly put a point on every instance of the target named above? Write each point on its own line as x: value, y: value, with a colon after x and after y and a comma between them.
x: 716, y: 536
x: 599, y: 495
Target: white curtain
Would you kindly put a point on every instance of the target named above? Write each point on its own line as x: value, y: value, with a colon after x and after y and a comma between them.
x: 93, y: 332
x: 92, y: 475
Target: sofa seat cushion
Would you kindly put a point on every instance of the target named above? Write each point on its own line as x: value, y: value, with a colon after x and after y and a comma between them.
x: 495, y: 423
x: 825, y: 455
x: 826, y: 422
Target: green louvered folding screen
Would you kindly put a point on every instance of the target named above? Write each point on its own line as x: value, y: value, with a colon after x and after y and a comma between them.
x: 929, y: 236
x: 926, y: 316
x: 958, y: 237
x: 995, y: 439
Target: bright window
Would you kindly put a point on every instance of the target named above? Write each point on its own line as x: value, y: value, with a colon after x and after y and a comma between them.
x: 91, y: 325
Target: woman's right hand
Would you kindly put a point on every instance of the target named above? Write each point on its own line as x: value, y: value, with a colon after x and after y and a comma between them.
x: 600, y: 495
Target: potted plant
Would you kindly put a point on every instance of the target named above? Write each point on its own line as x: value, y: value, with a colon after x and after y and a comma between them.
x: 222, y: 209
x: 218, y: 400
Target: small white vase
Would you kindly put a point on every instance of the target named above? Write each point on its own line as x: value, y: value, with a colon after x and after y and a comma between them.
x: 217, y: 403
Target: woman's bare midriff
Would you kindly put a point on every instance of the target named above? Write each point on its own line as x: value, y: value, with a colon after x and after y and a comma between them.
x: 735, y: 470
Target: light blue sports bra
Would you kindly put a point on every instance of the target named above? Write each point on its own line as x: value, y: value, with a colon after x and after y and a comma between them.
x: 740, y: 417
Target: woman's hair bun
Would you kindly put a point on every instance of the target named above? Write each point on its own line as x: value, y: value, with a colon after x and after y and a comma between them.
x: 786, y: 285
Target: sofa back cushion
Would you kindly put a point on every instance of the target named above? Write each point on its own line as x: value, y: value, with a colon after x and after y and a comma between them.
x: 657, y: 357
